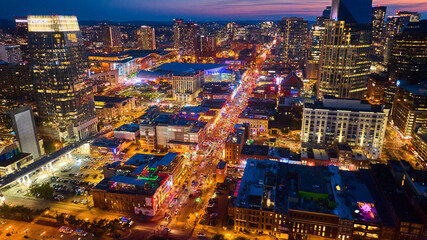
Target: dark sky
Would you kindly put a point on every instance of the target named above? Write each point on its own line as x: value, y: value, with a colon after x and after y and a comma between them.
x: 165, y: 10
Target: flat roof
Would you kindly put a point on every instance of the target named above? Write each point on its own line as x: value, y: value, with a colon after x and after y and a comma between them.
x: 128, y: 180
x: 128, y: 128
x: 110, y: 99
x: 182, y: 67
x: 14, y: 159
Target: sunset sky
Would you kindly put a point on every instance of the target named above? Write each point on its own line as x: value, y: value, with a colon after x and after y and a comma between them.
x: 164, y: 10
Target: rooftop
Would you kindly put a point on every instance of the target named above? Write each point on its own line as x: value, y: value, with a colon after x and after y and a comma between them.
x: 110, y: 99
x: 333, y: 103
x: 128, y: 128
x: 108, y: 143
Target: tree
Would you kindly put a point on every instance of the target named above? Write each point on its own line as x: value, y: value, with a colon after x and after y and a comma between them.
x: 44, y: 191
x: 218, y: 237
x: 314, y: 90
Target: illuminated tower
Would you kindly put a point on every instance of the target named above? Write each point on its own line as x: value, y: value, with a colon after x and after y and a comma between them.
x: 112, y: 38
x: 59, y: 67
x: 293, y: 36
x: 345, y: 62
x: 177, y: 23
x: 146, y: 38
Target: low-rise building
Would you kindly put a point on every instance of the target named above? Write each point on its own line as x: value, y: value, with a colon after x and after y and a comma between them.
x: 263, y: 152
x: 257, y: 118
x: 221, y: 171
x: 128, y: 132
x: 291, y: 201
x: 291, y: 86
x: 105, y: 145
x: 139, y: 186
x: 12, y: 159
x: 162, y: 130
x: 234, y: 144
x: 107, y: 108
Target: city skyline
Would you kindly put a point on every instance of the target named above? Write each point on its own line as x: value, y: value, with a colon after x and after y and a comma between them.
x: 205, y: 10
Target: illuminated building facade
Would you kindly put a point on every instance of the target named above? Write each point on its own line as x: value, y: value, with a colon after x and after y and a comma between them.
x: 344, y: 61
x: 378, y: 18
x: 112, y: 38
x: 10, y: 53
x: 353, y: 121
x: 206, y: 47
x: 345, y: 57
x: 188, y: 34
x: 177, y: 24
x: 148, y: 184
x: 16, y: 82
x: 21, y: 27
x: 293, y: 37
x: 146, y: 38
x: 393, y: 27
x: 63, y: 94
x: 408, y: 56
x: 290, y: 201
x: 409, y: 109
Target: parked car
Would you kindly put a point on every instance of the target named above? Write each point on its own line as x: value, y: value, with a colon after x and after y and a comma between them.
x: 65, y: 229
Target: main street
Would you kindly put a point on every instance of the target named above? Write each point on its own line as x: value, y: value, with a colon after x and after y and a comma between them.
x: 181, y: 215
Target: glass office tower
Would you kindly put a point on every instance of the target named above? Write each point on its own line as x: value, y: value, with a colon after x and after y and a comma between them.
x: 60, y: 67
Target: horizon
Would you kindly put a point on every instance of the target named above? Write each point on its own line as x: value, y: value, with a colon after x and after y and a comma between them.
x: 203, y: 10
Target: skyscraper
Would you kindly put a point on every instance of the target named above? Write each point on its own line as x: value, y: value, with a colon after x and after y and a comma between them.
x: 410, y: 108
x: 112, y: 38
x: 188, y: 39
x: 146, y: 38
x: 345, y: 61
x: 293, y: 37
x: 378, y: 17
x: 59, y: 67
x: 408, y: 58
x: 317, y: 31
x: 21, y: 27
x: 16, y: 82
x: 393, y: 27
x: 327, y: 12
x: 177, y: 23
x: 206, y: 47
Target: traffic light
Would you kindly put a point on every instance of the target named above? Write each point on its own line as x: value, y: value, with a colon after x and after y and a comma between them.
x: 198, y: 199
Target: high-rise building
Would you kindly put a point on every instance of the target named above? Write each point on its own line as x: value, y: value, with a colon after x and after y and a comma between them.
x: 146, y: 38
x: 358, y: 12
x: 410, y: 108
x: 393, y: 27
x: 408, y: 54
x: 345, y: 57
x: 177, y: 23
x: 59, y: 68
x: 293, y: 37
x: 188, y: 33
x: 231, y: 30
x: 317, y: 31
x: 10, y: 53
x: 316, y: 39
x: 408, y: 57
x: 378, y: 18
x: 16, y: 82
x: 112, y: 38
x: 206, y: 46
x: 21, y: 27
x: 355, y: 122
x: 327, y: 12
